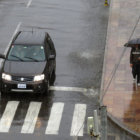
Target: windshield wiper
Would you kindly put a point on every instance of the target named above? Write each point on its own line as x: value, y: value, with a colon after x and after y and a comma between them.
x: 17, y: 57
x: 32, y: 58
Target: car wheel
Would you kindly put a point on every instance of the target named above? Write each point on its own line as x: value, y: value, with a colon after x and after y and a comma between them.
x: 53, y: 74
x: 48, y: 86
x: 3, y: 93
x: 46, y: 91
x: 53, y: 77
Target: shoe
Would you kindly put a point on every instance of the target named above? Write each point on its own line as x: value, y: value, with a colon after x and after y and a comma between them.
x: 138, y: 84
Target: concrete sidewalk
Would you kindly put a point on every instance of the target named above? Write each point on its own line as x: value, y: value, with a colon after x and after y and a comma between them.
x: 118, y: 92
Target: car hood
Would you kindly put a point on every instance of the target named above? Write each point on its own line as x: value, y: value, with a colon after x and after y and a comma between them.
x: 24, y: 68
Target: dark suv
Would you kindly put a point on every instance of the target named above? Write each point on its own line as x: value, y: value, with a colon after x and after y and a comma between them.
x: 29, y: 64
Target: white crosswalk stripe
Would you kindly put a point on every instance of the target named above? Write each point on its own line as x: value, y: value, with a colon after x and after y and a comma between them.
x: 78, y: 120
x: 31, y: 117
x: 55, y: 119
x: 8, y: 116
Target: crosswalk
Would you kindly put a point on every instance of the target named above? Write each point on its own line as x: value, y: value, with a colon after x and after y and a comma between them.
x: 53, y: 123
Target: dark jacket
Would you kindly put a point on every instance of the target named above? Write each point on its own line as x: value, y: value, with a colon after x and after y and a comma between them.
x: 134, y: 56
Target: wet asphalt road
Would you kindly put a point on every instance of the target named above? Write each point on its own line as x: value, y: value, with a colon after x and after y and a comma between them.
x: 78, y: 29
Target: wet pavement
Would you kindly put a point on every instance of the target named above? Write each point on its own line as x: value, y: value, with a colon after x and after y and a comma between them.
x: 42, y: 126
x: 78, y: 30
x: 122, y: 95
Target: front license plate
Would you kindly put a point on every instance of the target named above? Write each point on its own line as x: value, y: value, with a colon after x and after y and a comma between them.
x: 21, y: 86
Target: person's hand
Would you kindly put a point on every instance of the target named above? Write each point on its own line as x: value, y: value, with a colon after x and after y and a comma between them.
x: 139, y: 58
x: 131, y: 65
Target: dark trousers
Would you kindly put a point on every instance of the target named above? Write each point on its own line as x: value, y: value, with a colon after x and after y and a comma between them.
x: 136, y: 72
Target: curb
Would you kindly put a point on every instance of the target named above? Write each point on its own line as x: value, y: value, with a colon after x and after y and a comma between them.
x: 104, y: 61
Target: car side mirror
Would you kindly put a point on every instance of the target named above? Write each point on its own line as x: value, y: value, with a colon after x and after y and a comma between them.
x: 51, y: 57
x: 2, y: 56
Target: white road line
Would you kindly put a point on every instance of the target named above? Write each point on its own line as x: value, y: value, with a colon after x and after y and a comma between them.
x: 31, y: 117
x: 17, y: 28
x: 8, y: 116
x: 76, y: 89
x: 78, y: 120
x: 29, y: 3
x: 55, y: 119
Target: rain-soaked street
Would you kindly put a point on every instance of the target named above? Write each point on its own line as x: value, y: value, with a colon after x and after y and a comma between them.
x: 78, y: 29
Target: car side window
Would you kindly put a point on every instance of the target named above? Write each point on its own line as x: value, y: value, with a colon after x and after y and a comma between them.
x: 51, y: 45
x: 47, y: 50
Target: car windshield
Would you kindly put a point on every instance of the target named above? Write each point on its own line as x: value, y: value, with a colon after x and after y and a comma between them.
x: 26, y: 53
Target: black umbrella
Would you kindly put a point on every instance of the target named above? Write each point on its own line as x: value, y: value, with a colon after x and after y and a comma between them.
x: 133, y: 42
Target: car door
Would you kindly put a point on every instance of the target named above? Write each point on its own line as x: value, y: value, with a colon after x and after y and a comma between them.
x: 52, y: 53
x: 50, y: 61
x: 47, y: 53
x: 51, y: 44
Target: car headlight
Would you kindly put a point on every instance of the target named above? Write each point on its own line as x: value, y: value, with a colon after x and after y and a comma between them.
x: 39, y: 77
x: 6, y: 77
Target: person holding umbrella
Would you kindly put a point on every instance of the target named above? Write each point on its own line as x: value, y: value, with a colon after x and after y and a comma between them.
x: 135, y: 62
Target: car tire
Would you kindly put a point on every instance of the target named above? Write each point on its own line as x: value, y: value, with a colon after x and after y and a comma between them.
x: 46, y: 91
x: 53, y: 76
x: 3, y: 93
x: 48, y: 86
